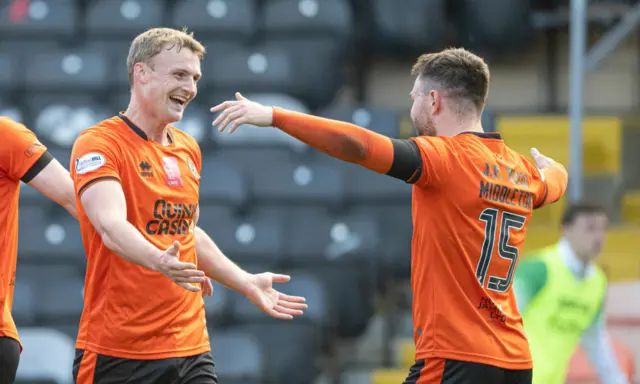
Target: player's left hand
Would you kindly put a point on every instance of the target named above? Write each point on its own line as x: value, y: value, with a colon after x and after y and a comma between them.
x: 207, y: 288
x: 275, y: 304
x: 242, y: 111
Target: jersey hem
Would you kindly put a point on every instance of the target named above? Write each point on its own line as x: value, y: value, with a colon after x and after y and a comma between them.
x: 12, y: 335
x: 187, y: 352
x: 473, y: 358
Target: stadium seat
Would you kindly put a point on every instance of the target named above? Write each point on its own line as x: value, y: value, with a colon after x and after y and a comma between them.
x: 218, y: 306
x: 295, y: 19
x: 413, y: 28
x: 58, y: 289
x: 250, y: 69
x: 71, y: 70
x: 196, y: 121
x: 247, y: 135
x: 239, y: 356
x: 46, y: 358
x: 10, y: 110
x: 222, y: 182
x: 25, y: 302
x: 277, y: 176
x: 248, y: 238
x: 123, y: 19
x: 499, y: 27
x: 221, y: 19
x: 294, y: 344
x: 49, y: 238
x: 9, y: 75
x: 50, y: 18
x: 58, y: 119
x: 380, y: 120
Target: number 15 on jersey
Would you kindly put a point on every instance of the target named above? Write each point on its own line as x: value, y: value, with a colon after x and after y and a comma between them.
x: 497, y: 227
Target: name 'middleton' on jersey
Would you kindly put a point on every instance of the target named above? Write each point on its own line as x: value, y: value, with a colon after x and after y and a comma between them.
x: 22, y: 157
x: 129, y: 311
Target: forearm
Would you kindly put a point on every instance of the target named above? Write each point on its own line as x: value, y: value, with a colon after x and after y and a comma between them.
x: 123, y: 239
x: 344, y: 141
x: 597, y: 345
x: 557, y: 179
x: 216, y: 265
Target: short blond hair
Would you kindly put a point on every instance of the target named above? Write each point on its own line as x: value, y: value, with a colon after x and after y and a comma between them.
x: 150, y: 43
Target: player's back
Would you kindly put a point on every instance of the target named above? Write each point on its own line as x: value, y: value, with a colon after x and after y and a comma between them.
x: 469, y: 229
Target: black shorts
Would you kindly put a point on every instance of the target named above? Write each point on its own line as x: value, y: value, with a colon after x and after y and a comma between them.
x: 445, y: 371
x: 93, y: 368
x: 9, y: 359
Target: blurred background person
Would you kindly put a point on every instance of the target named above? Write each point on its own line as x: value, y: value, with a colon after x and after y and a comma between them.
x: 561, y: 293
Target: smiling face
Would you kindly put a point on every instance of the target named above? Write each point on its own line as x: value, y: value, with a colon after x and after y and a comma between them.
x: 168, y: 82
x: 164, y: 69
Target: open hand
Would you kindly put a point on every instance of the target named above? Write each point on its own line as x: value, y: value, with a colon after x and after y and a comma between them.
x: 183, y: 274
x: 541, y: 160
x: 275, y: 304
x: 242, y: 111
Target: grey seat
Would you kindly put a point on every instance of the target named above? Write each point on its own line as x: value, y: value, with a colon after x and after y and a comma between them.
x: 60, y: 119
x: 238, y: 355
x: 223, y: 19
x: 294, y: 18
x: 381, y: 120
x: 196, y: 121
x: 414, y: 27
x: 48, y: 18
x: 9, y: 71
x: 246, y: 239
x: 25, y: 302
x: 222, y: 183
x: 123, y: 19
x: 67, y: 70
x: 500, y: 26
x: 47, y: 356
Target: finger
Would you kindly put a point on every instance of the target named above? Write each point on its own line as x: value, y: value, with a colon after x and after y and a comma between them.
x: 174, y: 248
x: 290, y: 305
x: 237, y: 123
x: 288, y: 311
x: 180, y: 266
x: 231, y: 115
x: 278, y: 278
x: 189, y: 287
x: 239, y: 97
x: 220, y: 117
x: 279, y: 315
x: 222, y: 106
x: 185, y: 273
x: 188, y: 279
x: 291, y: 299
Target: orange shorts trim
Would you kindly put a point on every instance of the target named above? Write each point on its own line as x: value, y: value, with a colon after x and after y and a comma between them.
x: 87, y: 368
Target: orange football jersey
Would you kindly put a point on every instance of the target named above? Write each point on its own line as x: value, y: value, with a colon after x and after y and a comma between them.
x: 472, y: 203
x: 129, y: 311
x: 22, y: 156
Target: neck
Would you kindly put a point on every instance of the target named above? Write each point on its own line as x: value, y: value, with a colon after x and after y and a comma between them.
x: 465, y: 124
x: 154, y: 128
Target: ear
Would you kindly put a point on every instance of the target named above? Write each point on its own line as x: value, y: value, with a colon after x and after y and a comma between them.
x: 141, y: 72
x: 435, y: 101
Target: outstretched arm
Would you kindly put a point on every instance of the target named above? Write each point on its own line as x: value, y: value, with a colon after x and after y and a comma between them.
x: 348, y: 142
x: 554, y: 176
x: 257, y: 288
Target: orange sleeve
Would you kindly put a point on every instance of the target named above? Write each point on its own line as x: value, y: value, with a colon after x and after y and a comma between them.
x: 554, y: 184
x: 94, y: 158
x: 20, y: 152
x: 345, y: 141
x: 436, y: 160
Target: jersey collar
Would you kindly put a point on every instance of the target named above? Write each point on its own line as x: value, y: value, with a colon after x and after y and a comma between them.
x: 139, y: 131
x: 484, y: 135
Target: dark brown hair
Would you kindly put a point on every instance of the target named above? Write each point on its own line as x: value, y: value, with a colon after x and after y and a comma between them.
x: 581, y: 208
x: 458, y: 72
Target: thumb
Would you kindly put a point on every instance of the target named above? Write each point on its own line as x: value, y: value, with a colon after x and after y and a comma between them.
x: 239, y: 97
x: 278, y: 278
x: 174, y: 248
x: 535, y: 153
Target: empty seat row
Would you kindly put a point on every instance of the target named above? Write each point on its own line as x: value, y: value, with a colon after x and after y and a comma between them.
x: 303, y: 236
x: 235, y: 19
x: 307, y: 69
x: 242, y: 355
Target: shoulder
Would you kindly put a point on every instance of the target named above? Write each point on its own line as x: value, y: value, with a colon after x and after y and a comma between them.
x: 11, y: 128
x: 105, y: 131
x: 184, y: 138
